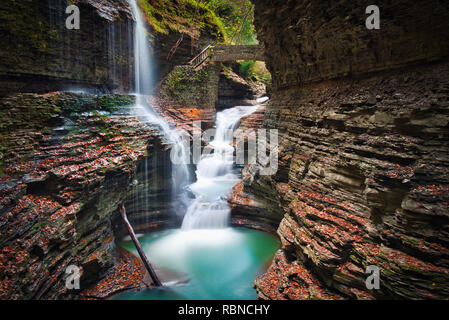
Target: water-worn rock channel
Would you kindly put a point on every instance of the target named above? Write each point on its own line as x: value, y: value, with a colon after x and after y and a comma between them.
x: 92, y: 118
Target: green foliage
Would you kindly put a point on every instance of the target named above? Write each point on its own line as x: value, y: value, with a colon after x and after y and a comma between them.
x: 230, y: 21
x: 237, y: 17
x: 255, y: 70
x: 176, y: 81
x: 185, y: 16
x: 266, y: 78
x: 247, y: 69
x: 113, y: 102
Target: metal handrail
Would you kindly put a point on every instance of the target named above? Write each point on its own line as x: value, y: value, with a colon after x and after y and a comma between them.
x: 201, y: 57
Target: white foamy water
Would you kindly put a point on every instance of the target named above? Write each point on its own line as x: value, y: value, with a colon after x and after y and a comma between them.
x: 216, y: 176
x: 143, y: 72
x: 262, y: 99
x: 204, y: 264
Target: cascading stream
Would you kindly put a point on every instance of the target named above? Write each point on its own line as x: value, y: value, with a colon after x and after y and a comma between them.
x: 215, y: 172
x: 216, y: 175
x: 220, y: 263
x: 143, y: 72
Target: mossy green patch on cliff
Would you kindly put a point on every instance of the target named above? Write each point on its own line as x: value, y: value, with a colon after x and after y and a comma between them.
x: 184, y: 78
x: 33, y: 111
x: 237, y: 17
x: 40, y: 112
x: 85, y: 103
x: 229, y: 21
x: 185, y: 16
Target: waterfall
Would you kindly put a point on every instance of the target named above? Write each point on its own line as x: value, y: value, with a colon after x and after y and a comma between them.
x: 216, y: 175
x: 143, y: 72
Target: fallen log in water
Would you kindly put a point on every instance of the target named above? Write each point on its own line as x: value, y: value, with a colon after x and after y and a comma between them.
x: 147, y: 263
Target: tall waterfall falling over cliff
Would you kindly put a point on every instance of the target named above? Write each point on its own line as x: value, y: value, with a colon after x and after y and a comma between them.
x: 143, y: 71
x: 216, y: 175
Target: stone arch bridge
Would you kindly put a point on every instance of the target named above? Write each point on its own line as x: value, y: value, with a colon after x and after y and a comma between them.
x: 223, y: 53
x: 205, y: 94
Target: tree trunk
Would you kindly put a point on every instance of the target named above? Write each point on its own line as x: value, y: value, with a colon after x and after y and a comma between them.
x: 147, y: 263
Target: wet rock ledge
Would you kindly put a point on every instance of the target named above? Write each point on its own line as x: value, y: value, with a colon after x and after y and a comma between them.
x: 66, y: 163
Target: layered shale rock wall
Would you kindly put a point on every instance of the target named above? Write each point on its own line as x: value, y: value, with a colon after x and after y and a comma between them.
x: 149, y: 199
x: 39, y: 54
x: 233, y: 90
x: 308, y: 41
x: 187, y: 95
x: 363, y: 119
x: 66, y: 164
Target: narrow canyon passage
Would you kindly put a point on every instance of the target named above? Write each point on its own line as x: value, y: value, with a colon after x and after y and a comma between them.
x: 214, y: 261
x: 340, y: 110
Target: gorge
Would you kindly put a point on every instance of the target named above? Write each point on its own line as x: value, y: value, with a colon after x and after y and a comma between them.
x: 93, y: 118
